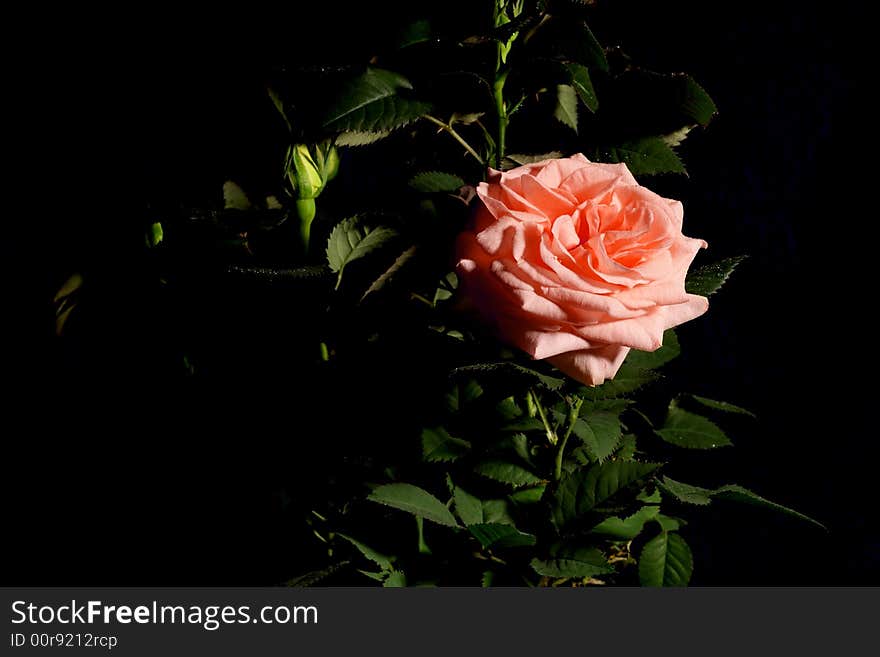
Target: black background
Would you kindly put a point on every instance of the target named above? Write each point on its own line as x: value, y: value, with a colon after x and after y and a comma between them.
x: 121, y: 477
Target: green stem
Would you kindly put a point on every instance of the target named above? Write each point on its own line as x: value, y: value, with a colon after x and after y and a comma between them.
x: 305, y: 209
x: 501, y: 50
x: 501, y: 110
x: 551, y: 435
x: 544, y: 20
x: 423, y: 547
x: 457, y: 137
x: 419, y: 297
x: 573, y: 414
x: 488, y: 135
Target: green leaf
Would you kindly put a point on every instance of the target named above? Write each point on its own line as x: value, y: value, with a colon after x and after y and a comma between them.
x: 516, y: 443
x: 467, y: 393
x: 465, y: 119
x: 62, y: 314
x: 525, y: 424
x: 552, y: 383
x: 708, y: 279
x: 732, y: 492
x: 495, y: 511
x: 685, y: 492
x: 416, y: 32
x: 351, y: 240
x: 573, y: 562
x: 234, y: 197
x: 389, y: 273
x: 429, y: 182
x: 666, y: 560
x: 583, y: 490
x: 649, y: 360
x: 474, y: 511
x: 627, y: 449
x: 155, y: 234
x: 736, y: 493
x: 675, y: 138
x: 580, y: 80
x: 415, y: 500
x: 647, y: 156
x: 668, y: 523
x: 272, y: 275
x: 71, y: 285
x: 720, y: 405
x: 468, y: 507
x: 600, y: 433
x: 506, y: 369
x: 677, y: 101
x: 519, y: 442
x: 507, y: 473
x: 495, y: 535
x: 513, y: 160
x: 692, y: 100
x: 378, y: 558
x: 444, y: 290
x: 371, y: 102
x: 508, y: 409
x: 685, y: 429
x: 279, y: 105
x: 654, y: 497
x: 353, y: 138
x: 378, y: 576
x: 439, y: 446
x: 65, y: 300
x: 462, y: 394
x: 614, y: 406
x: 566, y: 106
x: 395, y: 580
x: 313, y: 577
x: 573, y: 40
x: 529, y: 495
x: 626, y: 529
x: 592, y: 53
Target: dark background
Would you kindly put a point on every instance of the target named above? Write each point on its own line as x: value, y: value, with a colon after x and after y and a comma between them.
x: 122, y: 476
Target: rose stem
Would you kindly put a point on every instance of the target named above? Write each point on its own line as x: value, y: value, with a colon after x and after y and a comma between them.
x: 573, y: 414
x: 551, y: 435
x: 449, y: 129
x: 500, y: 18
x: 501, y: 109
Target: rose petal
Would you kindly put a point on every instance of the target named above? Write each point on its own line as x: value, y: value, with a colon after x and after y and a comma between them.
x: 684, y: 312
x: 596, y: 181
x: 552, y: 203
x: 592, y: 366
x: 544, y: 344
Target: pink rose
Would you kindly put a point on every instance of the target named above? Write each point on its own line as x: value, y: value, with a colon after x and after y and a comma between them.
x: 574, y: 262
